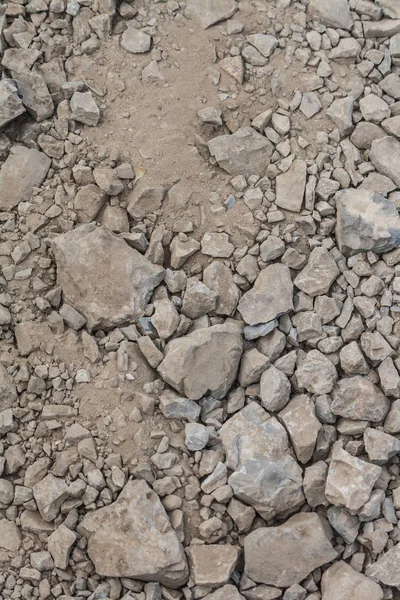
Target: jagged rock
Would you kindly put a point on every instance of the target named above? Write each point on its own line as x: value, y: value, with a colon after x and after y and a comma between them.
x: 234, y: 66
x: 316, y: 373
x: 332, y: 13
x: 283, y: 556
x: 341, y: 111
x: 272, y: 487
x: 341, y: 582
x: 380, y: 446
x: 252, y: 365
x: 318, y: 275
x: 8, y: 391
x: 251, y: 433
x: 264, y: 43
x: 120, y: 295
x: 133, y: 538
x: 385, y: 156
x: 10, y: 536
x: 10, y: 103
x: 290, y: 186
x: 60, y: 544
x: 205, y: 361
x: 84, y: 109
x: 358, y: 398
x: 274, y: 389
x: 390, y: 8
x: 135, y: 41
x: 35, y: 95
x: 350, y: 480
x: 270, y: 297
x: 374, y: 108
x: 210, y: 12
x: 219, y: 278
x: 245, y: 152
x: 386, y: 569
x: 49, y: 493
x: 145, y: 201
x: 32, y: 167
x: 366, y: 222
x: 302, y: 425
x: 88, y: 202
x: 212, y: 565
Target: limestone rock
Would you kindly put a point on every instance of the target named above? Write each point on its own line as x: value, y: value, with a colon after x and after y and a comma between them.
x: 210, y: 12
x: 270, y: 297
x: 10, y: 103
x: 143, y: 201
x: 32, y: 167
x: 49, y: 493
x: 385, y: 156
x: 303, y: 426
x: 205, y: 361
x: 274, y: 389
x: 283, y: 556
x: 366, y: 222
x: 8, y: 391
x: 88, y: 202
x: 219, y: 278
x: 318, y: 275
x: 133, y: 537
x: 341, y: 111
x: 341, y: 582
x: 10, y: 536
x: 135, y: 41
x: 84, y: 109
x: 35, y: 95
x: 245, y: 152
x: 380, y: 446
x: 350, y: 480
x: 290, y: 187
x: 316, y: 373
x: 386, y: 569
x: 120, y: 294
x: 332, y: 13
x: 358, y: 398
x: 60, y: 544
x: 264, y: 43
x: 390, y: 8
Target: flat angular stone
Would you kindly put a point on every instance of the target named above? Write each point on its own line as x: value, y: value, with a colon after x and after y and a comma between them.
x: 318, y: 275
x: 49, y: 493
x: 233, y: 66
x: 84, y: 109
x: 391, y: 8
x: 386, y: 569
x: 270, y: 297
x: 380, y: 446
x: 122, y: 292
x: 250, y: 433
x: 358, y: 398
x: 210, y: 12
x: 245, y: 152
x: 341, y: 582
x: 366, y: 222
x: 219, y: 278
x: 135, y: 41
x: 8, y: 391
x: 10, y: 103
x: 385, y: 156
x: 227, y: 592
x: 205, y: 361
x: 283, y: 556
x: 316, y: 373
x: 10, y: 536
x: 133, y: 537
x: 60, y: 544
x: 341, y: 113
x: 303, y: 426
x: 143, y: 201
x: 290, y: 187
x: 212, y: 565
x: 32, y: 167
x: 88, y: 202
x: 35, y: 95
x: 264, y: 43
x: 332, y: 13
x: 350, y: 480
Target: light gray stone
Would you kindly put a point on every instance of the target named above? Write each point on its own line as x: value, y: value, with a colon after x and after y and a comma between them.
x: 210, y: 12
x: 332, y: 13
x: 341, y: 582
x: 11, y: 105
x: 318, y: 275
x: 290, y: 187
x: 245, y: 152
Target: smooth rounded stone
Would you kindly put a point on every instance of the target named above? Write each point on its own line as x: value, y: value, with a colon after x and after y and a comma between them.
x: 274, y: 389
x: 302, y: 425
x: 212, y: 565
x: 10, y: 536
x: 341, y: 582
x: 196, y: 436
x: 316, y: 373
x: 350, y: 480
x: 121, y: 294
x: 386, y: 569
x: 135, y: 41
x: 245, y: 152
x: 290, y: 187
x: 285, y: 555
x: 380, y: 446
x: 332, y: 13
x: 270, y: 297
x: 123, y: 536
x: 205, y: 361
x: 359, y: 399
x: 365, y: 133
x: 385, y: 156
x: 318, y: 275
x: 341, y: 113
x: 219, y: 278
x: 271, y: 487
x: 216, y: 245
x: 251, y: 432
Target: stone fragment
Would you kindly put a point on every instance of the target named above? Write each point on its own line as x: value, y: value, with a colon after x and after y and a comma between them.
x: 219, y: 278
x: 283, y: 556
x: 318, y: 275
x: 181, y: 250
x: 121, y: 294
x: 264, y: 43
x: 350, y: 480
x: 252, y: 365
x: 133, y: 537
x: 205, y: 361
x: 290, y: 187
x: 302, y: 425
x: 143, y: 201
x: 10, y: 103
x: 212, y: 565
x: 210, y: 12
x: 35, y: 95
x: 198, y: 299
x: 341, y: 582
x: 358, y: 398
x: 366, y: 222
x: 165, y: 318
x: 310, y: 105
x: 108, y: 181
x: 341, y: 113
x: 174, y: 406
x: 135, y: 41
x: 227, y: 592
x: 196, y: 436
x: 245, y: 152
x: 216, y: 245
x: 84, y: 109
x: 233, y: 66
x: 8, y: 391
x: 386, y: 569
x: 314, y: 484
x: 270, y: 297
x: 385, y: 156
x: 365, y: 133
x: 316, y: 373
x: 390, y: 8
x: 374, y: 108
x: 32, y: 167
x: 10, y: 536
x: 88, y: 202
x: 49, y: 493
x: 60, y: 544
x: 380, y: 446
x: 332, y: 13
x: 274, y: 389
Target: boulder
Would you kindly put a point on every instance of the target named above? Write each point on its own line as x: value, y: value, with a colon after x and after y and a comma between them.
x: 245, y: 152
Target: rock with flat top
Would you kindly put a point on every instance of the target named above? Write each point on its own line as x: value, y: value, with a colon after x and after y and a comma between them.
x: 290, y: 187
x: 245, y: 152
x: 210, y: 12
x: 386, y: 569
x: 358, y: 398
x: 32, y: 167
x: 316, y: 373
x: 332, y: 13
x: 133, y: 537
x: 283, y: 556
x: 341, y: 582
x: 385, y: 156
x: 35, y: 95
x: 84, y: 109
x: 212, y: 565
x: 135, y: 41
x: 303, y: 426
x: 10, y: 536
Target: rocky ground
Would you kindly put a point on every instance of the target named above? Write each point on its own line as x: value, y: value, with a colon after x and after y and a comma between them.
x: 200, y: 300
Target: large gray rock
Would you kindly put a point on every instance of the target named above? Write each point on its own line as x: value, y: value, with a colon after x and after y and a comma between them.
x: 290, y: 186
x: 386, y: 570
x: 283, y: 556
x: 319, y: 273
x: 209, y: 12
x: 385, y: 156
x: 133, y: 538
x: 366, y: 222
x: 316, y: 373
x: 341, y: 582
x: 10, y: 103
x: 245, y: 152
x: 270, y: 297
x: 103, y: 278
x: 32, y: 167
x: 272, y: 487
x: 205, y: 361
x: 332, y: 13
x: 358, y: 398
